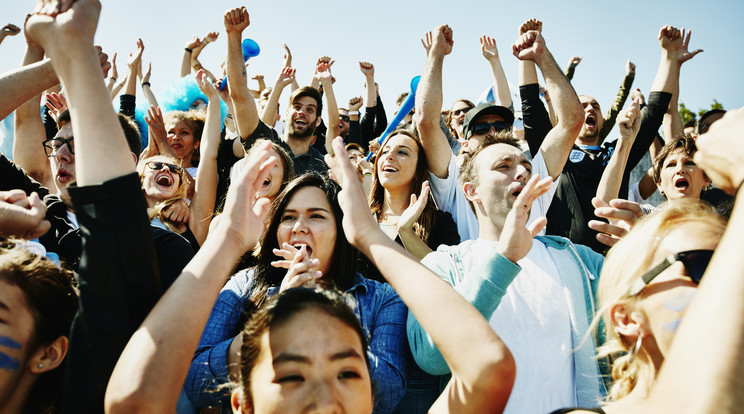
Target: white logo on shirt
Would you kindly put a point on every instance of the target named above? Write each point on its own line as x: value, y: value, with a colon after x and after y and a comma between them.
x: 576, y: 156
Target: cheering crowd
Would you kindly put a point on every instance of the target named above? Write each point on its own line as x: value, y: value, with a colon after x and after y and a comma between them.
x: 217, y: 250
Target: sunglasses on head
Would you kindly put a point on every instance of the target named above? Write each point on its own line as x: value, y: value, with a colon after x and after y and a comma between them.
x: 53, y: 145
x: 482, y: 128
x: 157, y: 165
x: 344, y: 118
x: 695, y: 261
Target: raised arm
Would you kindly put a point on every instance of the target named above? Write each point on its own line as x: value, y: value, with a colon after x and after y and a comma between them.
x: 612, y: 177
x: 491, y: 53
x: 151, y: 370
x: 9, y: 30
x: 133, y: 69
x: 187, y: 52
x: 429, y: 104
x: 617, y: 104
x: 287, y: 63
x: 537, y: 121
x: 559, y: 141
x: 202, y: 205
x: 29, y: 128
x: 326, y: 81
x: 286, y: 77
x: 672, y: 120
x: 146, y: 87
x: 246, y: 113
x: 482, y: 367
x: 111, y: 80
x: 571, y: 67
x: 195, y: 64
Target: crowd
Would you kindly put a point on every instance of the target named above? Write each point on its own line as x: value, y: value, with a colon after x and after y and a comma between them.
x: 214, y: 253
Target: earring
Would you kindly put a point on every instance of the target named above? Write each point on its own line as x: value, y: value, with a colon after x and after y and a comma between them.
x: 40, y: 365
x: 636, y: 348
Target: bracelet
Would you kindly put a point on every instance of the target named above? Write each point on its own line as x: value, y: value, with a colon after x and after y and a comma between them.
x: 188, y: 50
x: 353, y: 113
x: 145, y: 83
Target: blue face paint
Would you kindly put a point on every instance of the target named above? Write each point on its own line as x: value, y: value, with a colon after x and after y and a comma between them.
x: 9, y: 364
x: 9, y: 343
x: 679, y: 303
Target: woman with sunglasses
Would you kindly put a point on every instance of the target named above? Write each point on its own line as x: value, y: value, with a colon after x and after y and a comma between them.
x: 456, y: 117
x: 400, y: 172
x: 166, y: 186
x: 676, y: 338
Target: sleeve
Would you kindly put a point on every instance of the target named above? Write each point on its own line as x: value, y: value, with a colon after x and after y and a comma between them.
x: 483, y: 286
x: 387, y: 352
x: 208, y: 369
x: 15, y: 178
x: 381, y: 121
x: 617, y: 106
x: 355, y: 134
x: 570, y: 70
x: 118, y: 255
x: 127, y: 104
x: 262, y: 131
x: 367, y: 126
x: 651, y: 117
x: 444, y: 190
x: 535, y: 116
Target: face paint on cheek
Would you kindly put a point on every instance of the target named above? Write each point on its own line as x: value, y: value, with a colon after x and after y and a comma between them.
x: 9, y: 364
x: 679, y: 303
x: 9, y: 343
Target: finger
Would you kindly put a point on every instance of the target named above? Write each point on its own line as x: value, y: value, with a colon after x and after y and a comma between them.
x: 628, y: 205
x: 537, y: 226
x: 607, y: 228
x: 598, y: 202
x: 607, y: 240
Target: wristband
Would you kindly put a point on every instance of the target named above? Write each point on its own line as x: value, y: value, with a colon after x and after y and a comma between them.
x: 367, y: 174
x: 145, y: 83
x: 353, y: 113
x: 187, y: 49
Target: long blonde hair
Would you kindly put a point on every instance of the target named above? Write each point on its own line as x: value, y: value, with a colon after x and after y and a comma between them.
x: 625, y: 262
x: 157, y: 210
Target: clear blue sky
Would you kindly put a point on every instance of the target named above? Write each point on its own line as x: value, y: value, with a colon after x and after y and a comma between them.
x: 387, y: 34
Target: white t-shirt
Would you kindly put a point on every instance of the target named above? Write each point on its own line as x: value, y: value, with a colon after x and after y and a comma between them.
x: 450, y: 198
x: 533, y: 321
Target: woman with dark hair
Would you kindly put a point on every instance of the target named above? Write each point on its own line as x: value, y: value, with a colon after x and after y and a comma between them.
x: 456, y: 117
x: 37, y: 305
x: 400, y: 171
x: 304, y: 233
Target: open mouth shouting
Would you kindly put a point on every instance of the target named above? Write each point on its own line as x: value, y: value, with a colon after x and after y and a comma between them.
x: 681, y: 184
x: 64, y: 177
x: 387, y: 168
x: 298, y: 245
x: 164, y: 180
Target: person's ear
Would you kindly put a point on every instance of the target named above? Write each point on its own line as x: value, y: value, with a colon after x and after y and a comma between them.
x: 627, y: 321
x: 134, y: 159
x: 318, y: 120
x: 49, y: 357
x: 239, y: 404
x: 471, y: 192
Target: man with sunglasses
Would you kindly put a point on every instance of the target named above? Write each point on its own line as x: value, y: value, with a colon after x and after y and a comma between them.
x: 444, y: 168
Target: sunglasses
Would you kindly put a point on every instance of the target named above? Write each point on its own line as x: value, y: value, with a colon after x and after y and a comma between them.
x: 458, y: 112
x: 695, y: 261
x: 483, y: 127
x: 157, y: 165
x: 53, y: 145
x: 344, y: 118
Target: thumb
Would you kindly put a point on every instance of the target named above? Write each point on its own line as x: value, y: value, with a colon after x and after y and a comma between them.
x: 537, y: 226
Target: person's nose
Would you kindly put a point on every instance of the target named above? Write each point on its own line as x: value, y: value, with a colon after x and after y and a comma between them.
x: 300, y: 226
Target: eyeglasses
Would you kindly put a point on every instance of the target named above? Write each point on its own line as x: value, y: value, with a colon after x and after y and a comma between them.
x: 344, y: 118
x: 483, y: 127
x: 157, y: 165
x: 695, y: 261
x: 53, y: 145
x: 458, y: 112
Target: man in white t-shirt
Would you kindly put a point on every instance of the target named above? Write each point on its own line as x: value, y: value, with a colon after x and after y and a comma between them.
x: 537, y: 292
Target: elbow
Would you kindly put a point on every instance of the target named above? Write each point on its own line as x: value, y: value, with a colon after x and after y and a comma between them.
x: 497, y: 375
x: 122, y: 402
x: 426, y: 124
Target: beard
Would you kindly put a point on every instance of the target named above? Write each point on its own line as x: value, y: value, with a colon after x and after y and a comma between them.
x: 301, y: 132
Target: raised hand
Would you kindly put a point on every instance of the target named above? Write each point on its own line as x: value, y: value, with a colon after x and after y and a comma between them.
x: 720, y: 151
x: 177, y: 212
x: 488, y: 48
x: 529, y: 46
x: 236, y: 20
x: 146, y: 76
x: 22, y: 216
x: 443, y: 40
x: 621, y: 215
x: 56, y: 103
x: 55, y: 24
x: 287, y: 56
x: 10, y: 30
x: 684, y: 55
x: 205, y: 86
x: 411, y: 214
x: 355, y: 103
x: 629, y: 121
x: 670, y: 38
x: 368, y: 69
x: 323, y: 60
x: 211, y: 37
x: 157, y: 132
x: 286, y: 77
x: 576, y: 60
x: 323, y: 72
x: 426, y: 42
x: 532, y: 24
x: 135, y: 59
x: 630, y: 67
x: 194, y: 43
x: 516, y: 239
